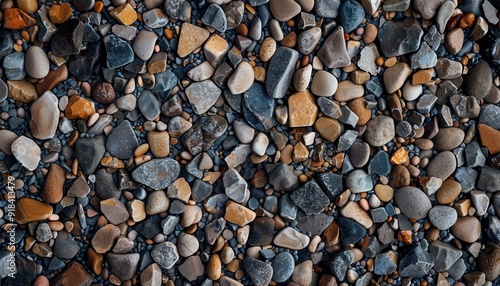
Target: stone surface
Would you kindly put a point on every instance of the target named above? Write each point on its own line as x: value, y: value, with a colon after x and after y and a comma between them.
x: 407, y: 31
x: 333, y: 52
x: 122, y: 141
x: 478, y: 80
x: 157, y: 173
x: 380, y: 130
x: 202, y: 95
x: 191, y: 38
x: 412, y: 202
x: 302, y: 109
x: 44, y: 116
x: 280, y: 71
x: 26, y: 152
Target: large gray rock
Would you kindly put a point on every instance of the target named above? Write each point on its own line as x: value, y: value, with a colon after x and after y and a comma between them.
x: 445, y: 255
x: 413, y: 202
x: 122, y: 141
x: 158, y: 173
x: 478, y: 80
x: 400, y: 37
x: 89, y: 152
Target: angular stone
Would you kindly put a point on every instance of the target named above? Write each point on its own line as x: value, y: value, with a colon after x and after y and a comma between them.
x: 235, y: 186
x: 202, y: 95
x: 204, y: 133
x: 122, y: 141
x: 445, y: 255
x: 214, y: 17
x: 157, y: 173
x: 118, y: 52
x: 29, y: 210
x: 407, y: 32
x: 191, y: 38
x: 302, y: 109
x: 178, y: 9
x: 283, y: 15
x: 310, y: 198
x: 22, y: 90
x: 258, y: 108
x: 380, y: 131
x: 26, y: 152
x: 67, y: 40
x: 124, y: 14
x: 280, y: 71
x: 351, y: 14
x: 386, y: 263
x: 123, y: 265
x: 74, y: 273
x: 238, y: 214
x: 330, y: 129
x: 333, y: 52
x: 395, y: 76
x: 89, y: 152
x: 291, y: 239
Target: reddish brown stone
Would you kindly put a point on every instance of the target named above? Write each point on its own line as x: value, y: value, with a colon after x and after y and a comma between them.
x: 74, y: 274
x: 103, y: 92
x: 52, y: 79
x: 53, y: 188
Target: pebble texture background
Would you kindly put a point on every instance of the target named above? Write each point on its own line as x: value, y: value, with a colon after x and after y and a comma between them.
x: 250, y: 142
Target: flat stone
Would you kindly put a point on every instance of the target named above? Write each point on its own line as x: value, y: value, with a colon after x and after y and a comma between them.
x: 241, y: 79
x: 73, y: 273
x: 234, y: 13
x: 339, y: 263
x: 351, y: 231
x: 258, y: 108
x: 443, y: 217
x: 204, y: 133
x: 165, y: 254
x: 310, y: 198
x: 105, y: 237
x: 445, y: 254
x: 324, y: 84
x: 327, y: 9
x: 280, y: 71
x: 259, y: 272
x: 44, y: 116
x: 89, y: 152
x: 489, y: 138
x: 157, y: 173
x: 478, y: 80
x: 291, y: 239
x: 178, y: 9
x: 281, y: 176
x: 447, y: 69
x: 235, y: 186
x: 302, y: 109
x: 124, y: 14
x: 353, y: 210
x: 424, y: 58
x: 442, y: 166
x: 367, y: 59
x: 448, y: 192
x: 191, y: 38
x: 30, y: 210
x: 238, y: 214
x: 67, y: 40
x: 22, y: 90
x: 454, y: 40
x: 395, y: 76
x: 351, y: 14
x: 118, y: 52
x: 449, y: 138
x: 283, y: 265
x: 202, y: 95
x: 333, y: 52
x: 427, y: 8
x: 123, y: 265
x: 26, y: 152
x: 159, y: 143
x: 114, y: 211
x: 358, y: 181
x: 329, y: 108
x: 330, y: 129
x: 122, y: 141
x: 413, y: 202
x: 415, y: 263
x: 144, y: 44
x: 408, y: 32
x: 283, y: 15
x: 386, y: 263
x: 151, y: 275
x: 380, y: 130
x: 214, y: 16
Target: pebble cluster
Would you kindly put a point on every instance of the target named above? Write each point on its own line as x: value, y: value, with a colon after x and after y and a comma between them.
x: 250, y: 142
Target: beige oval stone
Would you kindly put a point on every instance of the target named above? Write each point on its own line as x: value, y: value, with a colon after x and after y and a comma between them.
x: 267, y: 49
x: 395, y: 76
x: 324, y: 84
x: 214, y: 267
x: 159, y: 143
x: 467, y: 229
x: 384, y: 192
x: 284, y: 14
x: 347, y: 90
x: 241, y: 79
x: 302, y: 77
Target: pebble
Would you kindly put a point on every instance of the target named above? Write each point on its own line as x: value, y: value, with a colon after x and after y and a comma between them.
x: 30, y: 210
x: 259, y: 272
x: 448, y: 139
x: 202, y: 95
x: 488, y: 261
x: 302, y: 109
x: 478, y: 80
x: 412, y: 202
x: 328, y: 128
x: 411, y: 34
x: 347, y: 90
x: 327, y: 9
x: 283, y: 15
x: 448, y: 192
x: 333, y: 52
x: 241, y: 79
x: 308, y: 40
x: 443, y: 217
x: 283, y: 265
x: 36, y: 63
x: 467, y: 229
x: 280, y: 71
x: 380, y: 131
x: 358, y: 181
x: 214, y: 16
x: 291, y: 239
x: 442, y: 166
x: 191, y: 37
x: 395, y: 76
x: 426, y: 8
x: 44, y: 116
x: 351, y: 14
x: 324, y: 84
x: 26, y: 152
x: 152, y: 175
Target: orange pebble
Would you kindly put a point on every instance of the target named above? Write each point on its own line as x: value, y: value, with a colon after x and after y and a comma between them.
x: 169, y: 34
x: 380, y: 61
x: 99, y: 5
x: 290, y: 23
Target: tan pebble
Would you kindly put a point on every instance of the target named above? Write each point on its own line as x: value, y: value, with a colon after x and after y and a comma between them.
x: 364, y: 204
x: 313, y: 245
x: 214, y: 267
x: 267, y: 49
x: 448, y: 192
x: 467, y: 229
x: 370, y: 34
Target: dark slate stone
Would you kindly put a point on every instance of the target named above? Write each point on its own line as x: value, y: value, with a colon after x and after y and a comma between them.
x: 89, y: 152
x: 473, y: 7
x: 67, y: 40
x: 415, y: 263
x: 149, y: 105
x: 178, y: 9
x: 259, y: 272
x: 467, y: 178
x: 122, y: 141
x: 105, y: 186
x: 281, y: 176
x: 89, y: 34
x: 136, y: 66
x: 6, y: 42
x: 13, y: 66
x: 375, y: 86
x: 158, y: 173
x: 339, y: 263
x: 56, y: 264
x: 489, y: 179
x: 310, y: 198
x: 457, y: 270
x: 149, y: 227
x: 380, y: 164
x: 84, y: 5
x: 83, y: 65
x: 351, y: 14
x: 385, y: 263
x: 25, y: 273
x: 400, y: 37
x: 478, y: 80
x: 258, y: 108
x: 164, y: 83
x: 493, y: 230
x: 214, y: 17
x: 287, y: 208
x: 192, y: 167
x: 118, y: 52
x: 314, y: 224
x: 433, y: 38
x: 490, y: 115
x: 200, y: 190
x: 280, y: 71
x: 283, y: 265
x: 234, y: 100
x: 176, y: 207
x: 264, y: 13
x: 65, y: 246
x: 350, y: 231
x: 221, y: 74
x: 331, y: 184
x: 261, y: 232
x: 124, y: 266
x: 378, y: 215
x: 204, y: 133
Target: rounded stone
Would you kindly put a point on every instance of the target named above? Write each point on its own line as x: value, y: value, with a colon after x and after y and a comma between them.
x: 358, y: 181
x: 241, y: 79
x: 187, y: 244
x: 412, y: 202
x: 267, y: 49
x: 359, y: 154
x: 411, y: 92
x: 283, y: 265
x: 478, y: 81
x: 443, y: 217
x: 449, y: 138
x: 324, y: 83
x: 36, y: 63
x: 442, y: 166
x: 44, y: 116
x: 380, y: 131
x: 467, y: 229
x: 157, y: 202
x: 448, y: 192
